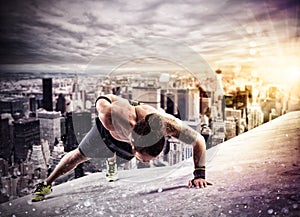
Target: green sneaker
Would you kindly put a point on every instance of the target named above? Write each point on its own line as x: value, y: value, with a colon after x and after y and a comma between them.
x: 111, y: 171
x: 41, y: 190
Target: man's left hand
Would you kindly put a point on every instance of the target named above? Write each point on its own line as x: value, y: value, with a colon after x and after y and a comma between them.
x: 199, y: 183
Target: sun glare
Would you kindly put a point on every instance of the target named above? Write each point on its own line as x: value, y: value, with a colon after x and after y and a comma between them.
x: 294, y: 73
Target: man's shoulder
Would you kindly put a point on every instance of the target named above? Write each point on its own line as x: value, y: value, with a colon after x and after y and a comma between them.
x: 147, y: 108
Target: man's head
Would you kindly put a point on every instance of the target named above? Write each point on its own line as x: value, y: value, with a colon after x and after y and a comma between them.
x: 148, y: 137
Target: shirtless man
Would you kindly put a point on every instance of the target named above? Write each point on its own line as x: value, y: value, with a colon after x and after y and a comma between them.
x: 129, y: 130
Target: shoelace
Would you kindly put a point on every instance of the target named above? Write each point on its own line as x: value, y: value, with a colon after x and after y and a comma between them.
x: 111, y: 168
x: 38, y: 187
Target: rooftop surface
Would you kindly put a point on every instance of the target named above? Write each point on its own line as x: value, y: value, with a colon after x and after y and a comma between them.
x: 254, y: 174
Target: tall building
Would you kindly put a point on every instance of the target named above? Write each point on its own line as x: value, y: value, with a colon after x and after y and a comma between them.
x: 32, y: 103
x: 3, y: 167
x: 218, y: 97
x: 50, y: 126
x: 13, y: 105
x: 188, y: 104
x: 70, y: 140
x: 168, y: 102
x: 46, y: 151
x: 26, y: 134
x: 205, y: 101
x: 47, y: 94
x: 63, y: 128
x: 218, y: 112
x: 5, y: 141
x: 61, y: 104
x: 78, y: 98
x: 233, y: 122
x: 38, y: 160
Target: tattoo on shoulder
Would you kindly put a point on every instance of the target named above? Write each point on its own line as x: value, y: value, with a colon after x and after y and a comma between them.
x: 172, y: 128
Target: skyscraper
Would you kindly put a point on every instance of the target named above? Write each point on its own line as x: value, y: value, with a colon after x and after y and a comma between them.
x: 188, y: 104
x: 50, y: 126
x: 5, y: 142
x: 32, y: 103
x: 61, y: 104
x: 13, y: 105
x: 47, y: 94
x: 26, y: 134
x: 217, y: 113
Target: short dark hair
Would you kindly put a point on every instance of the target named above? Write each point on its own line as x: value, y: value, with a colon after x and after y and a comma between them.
x: 148, y: 135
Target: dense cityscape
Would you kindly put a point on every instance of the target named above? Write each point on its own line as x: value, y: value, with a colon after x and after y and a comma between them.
x: 229, y: 69
x: 43, y: 118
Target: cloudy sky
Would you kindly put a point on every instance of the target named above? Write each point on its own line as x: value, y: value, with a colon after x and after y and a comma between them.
x: 257, y: 36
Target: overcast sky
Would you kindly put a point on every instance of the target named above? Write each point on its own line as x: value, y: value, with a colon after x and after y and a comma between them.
x: 228, y: 34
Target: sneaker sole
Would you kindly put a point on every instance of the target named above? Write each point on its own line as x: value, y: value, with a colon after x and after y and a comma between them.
x: 37, y: 198
x: 111, y: 179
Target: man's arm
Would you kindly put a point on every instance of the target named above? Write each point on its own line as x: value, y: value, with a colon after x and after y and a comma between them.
x: 199, y: 151
x: 189, y: 136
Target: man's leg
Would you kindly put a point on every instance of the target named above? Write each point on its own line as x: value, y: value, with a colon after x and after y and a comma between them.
x: 113, y: 158
x: 66, y: 164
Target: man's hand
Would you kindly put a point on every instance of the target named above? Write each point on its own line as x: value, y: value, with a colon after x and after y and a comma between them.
x: 199, y: 183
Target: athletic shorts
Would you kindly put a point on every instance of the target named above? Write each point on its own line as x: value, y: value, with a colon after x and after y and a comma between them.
x: 99, y: 143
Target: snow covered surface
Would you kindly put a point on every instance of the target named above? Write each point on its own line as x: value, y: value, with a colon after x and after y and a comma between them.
x: 254, y: 174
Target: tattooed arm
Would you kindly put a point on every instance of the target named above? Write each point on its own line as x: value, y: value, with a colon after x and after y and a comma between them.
x: 189, y: 136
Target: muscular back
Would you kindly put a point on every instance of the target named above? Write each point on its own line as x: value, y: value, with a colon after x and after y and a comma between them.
x: 119, y: 117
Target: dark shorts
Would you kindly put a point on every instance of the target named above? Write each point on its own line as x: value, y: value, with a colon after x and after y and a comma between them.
x: 99, y: 143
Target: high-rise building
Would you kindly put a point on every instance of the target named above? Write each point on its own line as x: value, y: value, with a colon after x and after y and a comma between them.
x: 26, y: 169
x: 13, y: 105
x: 188, y: 104
x: 70, y: 140
x: 163, y: 99
x: 37, y: 158
x: 62, y: 128
x: 3, y: 167
x: 46, y: 151
x: 47, y: 94
x: 218, y: 97
x: 32, y: 103
x: 241, y: 100
x: 205, y: 101
x: 233, y: 115
x: 5, y: 141
x: 26, y: 134
x: 182, y: 103
x: 50, y: 126
x: 170, y: 104
x: 61, y: 104
x: 218, y: 112
x: 249, y: 90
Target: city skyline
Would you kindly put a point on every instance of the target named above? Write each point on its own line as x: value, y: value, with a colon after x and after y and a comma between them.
x: 258, y: 37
